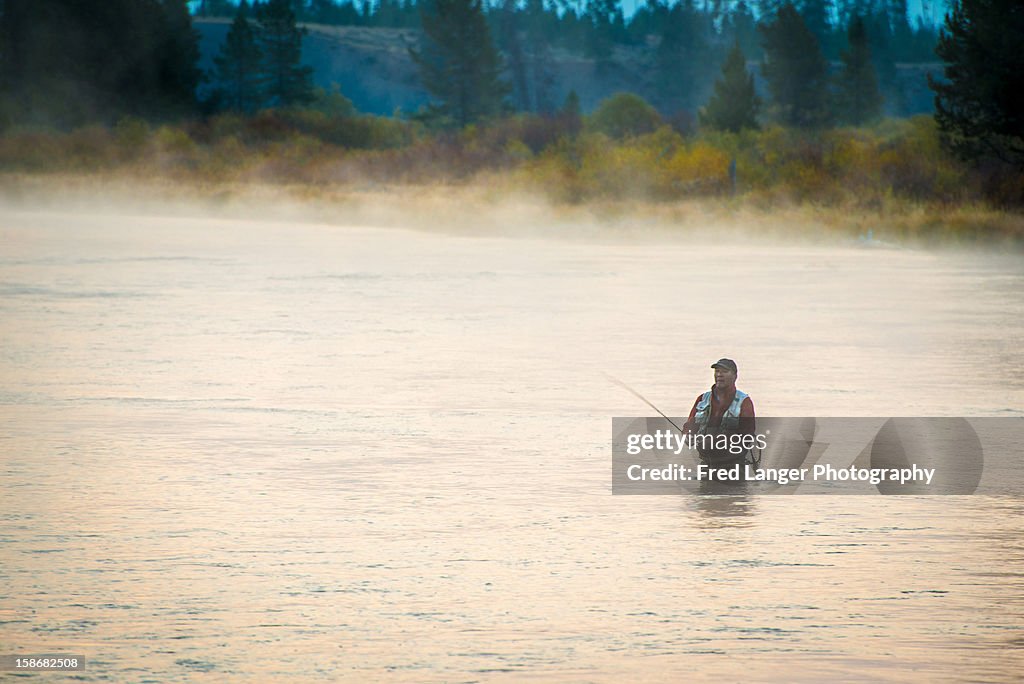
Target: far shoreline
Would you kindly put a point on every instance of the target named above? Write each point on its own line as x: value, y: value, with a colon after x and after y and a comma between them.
x: 481, y: 208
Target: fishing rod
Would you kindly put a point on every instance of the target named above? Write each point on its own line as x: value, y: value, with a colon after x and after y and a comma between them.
x: 753, y: 460
x: 642, y: 398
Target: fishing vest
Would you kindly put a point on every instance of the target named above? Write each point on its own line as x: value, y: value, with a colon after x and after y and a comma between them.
x: 730, y: 419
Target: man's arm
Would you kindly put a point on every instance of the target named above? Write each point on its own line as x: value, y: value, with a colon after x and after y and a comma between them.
x: 747, y: 408
x: 748, y: 424
x: 688, y: 425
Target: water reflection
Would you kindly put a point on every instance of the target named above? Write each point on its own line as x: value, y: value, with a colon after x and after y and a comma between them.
x: 724, y: 503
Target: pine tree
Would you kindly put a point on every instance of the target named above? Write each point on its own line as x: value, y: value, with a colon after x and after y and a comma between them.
x: 458, y: 62
x: 300, y: 8
x: 239, y: 64
x: 680, y: 56
x: 979, y: 105
x: 67, y: 62
x: 816, y: 14
x: 743, y: 28
x: 600, y: 42
x: 735, y: 104
x: 883, y: 50
x: 768, y: 9
x: 796, y: 71
x: 538, y: 54
x: 178, y: 54
x: 388, y: 14
x: 899, y: 23
x: 216, y: 8
x: 21, y: 29
x: 858, y: 98
x: 335, y: 12
x: 286, y: 81
x: 510, y: 40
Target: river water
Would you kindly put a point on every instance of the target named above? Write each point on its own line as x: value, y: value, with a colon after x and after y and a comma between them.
x: 238, y: 451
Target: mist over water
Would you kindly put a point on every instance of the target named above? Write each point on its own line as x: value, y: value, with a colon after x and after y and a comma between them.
x: 241, y: 450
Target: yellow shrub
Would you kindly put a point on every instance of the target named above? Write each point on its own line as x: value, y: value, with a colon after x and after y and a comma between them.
x: 173, y: 141
x: 132, y: 135
x: 698, y: 168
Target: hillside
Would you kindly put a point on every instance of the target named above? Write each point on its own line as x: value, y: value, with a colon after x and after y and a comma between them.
x: 372, y: 67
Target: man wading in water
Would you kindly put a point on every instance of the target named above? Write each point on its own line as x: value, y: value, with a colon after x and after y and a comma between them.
x: 722, y: 410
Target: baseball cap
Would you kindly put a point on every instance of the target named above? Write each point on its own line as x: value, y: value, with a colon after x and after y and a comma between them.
x: 726, y: 364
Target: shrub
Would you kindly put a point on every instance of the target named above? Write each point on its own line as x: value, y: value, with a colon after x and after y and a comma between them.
x: 624, y: 115
x: 132, y: 135
x: 29, y: 150
x: 89, y: 147
x: 697, y: 169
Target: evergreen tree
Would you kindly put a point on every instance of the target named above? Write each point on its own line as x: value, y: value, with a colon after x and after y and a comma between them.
x: 817, y: 14
x: 743, y: 28
x: 510, y: 40
x: 899, y: 24
x: 645, y: 22
x: 216, y: 8
x: 573, y: 31
x: 735, y: 104
x: 858, y: 98
x: 285, y: 80
x: 178, y: 56
x: 796, y: 71
x: 926, y: 37
x: 66, y: 62
x: 300, y: 8
x: 239, y: 64
x: 388, y: 14
x: 600, y: 42
x: 520, y: 35
x: 538, y: 41
x: 680, y: 57
x: 18, y: 59
x: 458, y: 62
x: 883, y: 51
x: 333, y: 12
x: 410, y: 15
x: 767, y: 9
x: 979, y: 105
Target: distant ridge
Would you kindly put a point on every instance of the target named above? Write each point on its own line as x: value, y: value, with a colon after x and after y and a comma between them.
x: 372, y: 68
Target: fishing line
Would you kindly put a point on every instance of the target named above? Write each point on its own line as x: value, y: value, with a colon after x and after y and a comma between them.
x: 642, y: 398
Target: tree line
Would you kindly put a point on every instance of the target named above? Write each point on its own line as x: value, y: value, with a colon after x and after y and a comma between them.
x: 461, y: 66
x: 591, y: 26
x: 66, y: 62
x: 71, y: 60
x: 688, y: 35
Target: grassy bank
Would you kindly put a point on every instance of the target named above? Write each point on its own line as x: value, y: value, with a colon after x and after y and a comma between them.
x: 893, y: 179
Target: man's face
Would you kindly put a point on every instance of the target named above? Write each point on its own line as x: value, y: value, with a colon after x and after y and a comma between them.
x: 724, y: 378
